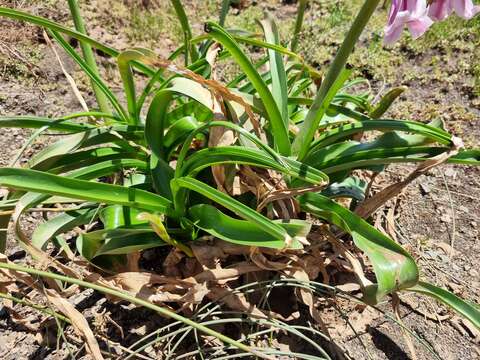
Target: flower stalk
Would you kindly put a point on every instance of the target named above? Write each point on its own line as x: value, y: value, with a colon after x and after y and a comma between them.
x: 302, y: 142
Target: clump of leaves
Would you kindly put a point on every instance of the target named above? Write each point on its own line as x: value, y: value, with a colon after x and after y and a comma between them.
x: 256, y: 162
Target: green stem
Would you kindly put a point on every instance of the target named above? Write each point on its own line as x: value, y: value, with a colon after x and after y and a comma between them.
x: 309, y: 127
x: 134, y: 300
x: 88, y: 55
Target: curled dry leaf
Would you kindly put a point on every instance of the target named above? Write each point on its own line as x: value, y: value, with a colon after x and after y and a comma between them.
x: 224, y: 275
x: 262, y: 262
x: 209, y: 256
x: 235, y: 301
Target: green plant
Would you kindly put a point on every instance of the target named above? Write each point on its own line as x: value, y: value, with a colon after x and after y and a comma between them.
x: 171, y: 176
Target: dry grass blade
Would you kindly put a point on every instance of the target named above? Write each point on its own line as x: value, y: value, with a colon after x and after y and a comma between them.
x: 70, y: 79
x: 78, y: 322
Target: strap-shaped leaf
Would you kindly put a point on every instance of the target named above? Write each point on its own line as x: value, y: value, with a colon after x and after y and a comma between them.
x: 179, y: 185
x: 124, y: 60
x: 117, y: 242
x: 249, y: 156
x: 34, y: 122
x: 394, y: 268
x: 242, y: 232
x: 345, y: 131
x: 31, y: 180
x: 61, y: 224
x: 468, y: 310
x: 116, y: 216
x: 301, y: 144
x: 279, y: 130
x: 351, y: 155
x: 51, y: 25
x: 81, y: 159
x: 156, y: 121
x: 277, y: 69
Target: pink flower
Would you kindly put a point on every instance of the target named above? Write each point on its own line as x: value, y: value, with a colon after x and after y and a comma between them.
x: 412, y: 13
x: 440, y: 9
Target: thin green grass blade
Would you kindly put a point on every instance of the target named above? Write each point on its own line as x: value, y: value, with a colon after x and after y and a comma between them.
x: 302, y: 5
x: 34, y: 122
x: 224, y: 12
x: 302, y: 142
x: 124, y: 60
x: 122, y: 295
x: 48, y: 24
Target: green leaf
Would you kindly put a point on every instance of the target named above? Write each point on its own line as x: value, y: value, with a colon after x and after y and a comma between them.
x: 467, y: 310
x: 279, y: 130
x: 226, y: 201
x: 302, y: 5
x: 116, y: 216
x: 61, y: 224
x: 394, y: 268
x: 351, y: 187
x: 123, y: 60
x: 80, y: 159
x: 187, y: 32
x: 248, y: 156
x: 386, y: 101
x: 354, y: 155
x: 51, y: 25
x: 48, y: 24
x: 34, y: 122
x: 88, y: 53
x: 31, y: 180
x: 179, y: 131
x: 156, y: 222
x: 156, y: 121
x: 345, y: 131
x: 242, y: 232
x: 118, y: 241
x: 301, y: 144
x: 277, y: 69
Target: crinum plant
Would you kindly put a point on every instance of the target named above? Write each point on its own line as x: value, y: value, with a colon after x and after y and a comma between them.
x: 254, y: 162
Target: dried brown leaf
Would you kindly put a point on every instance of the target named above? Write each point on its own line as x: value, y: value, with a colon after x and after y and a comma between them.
x: 78, y: 322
